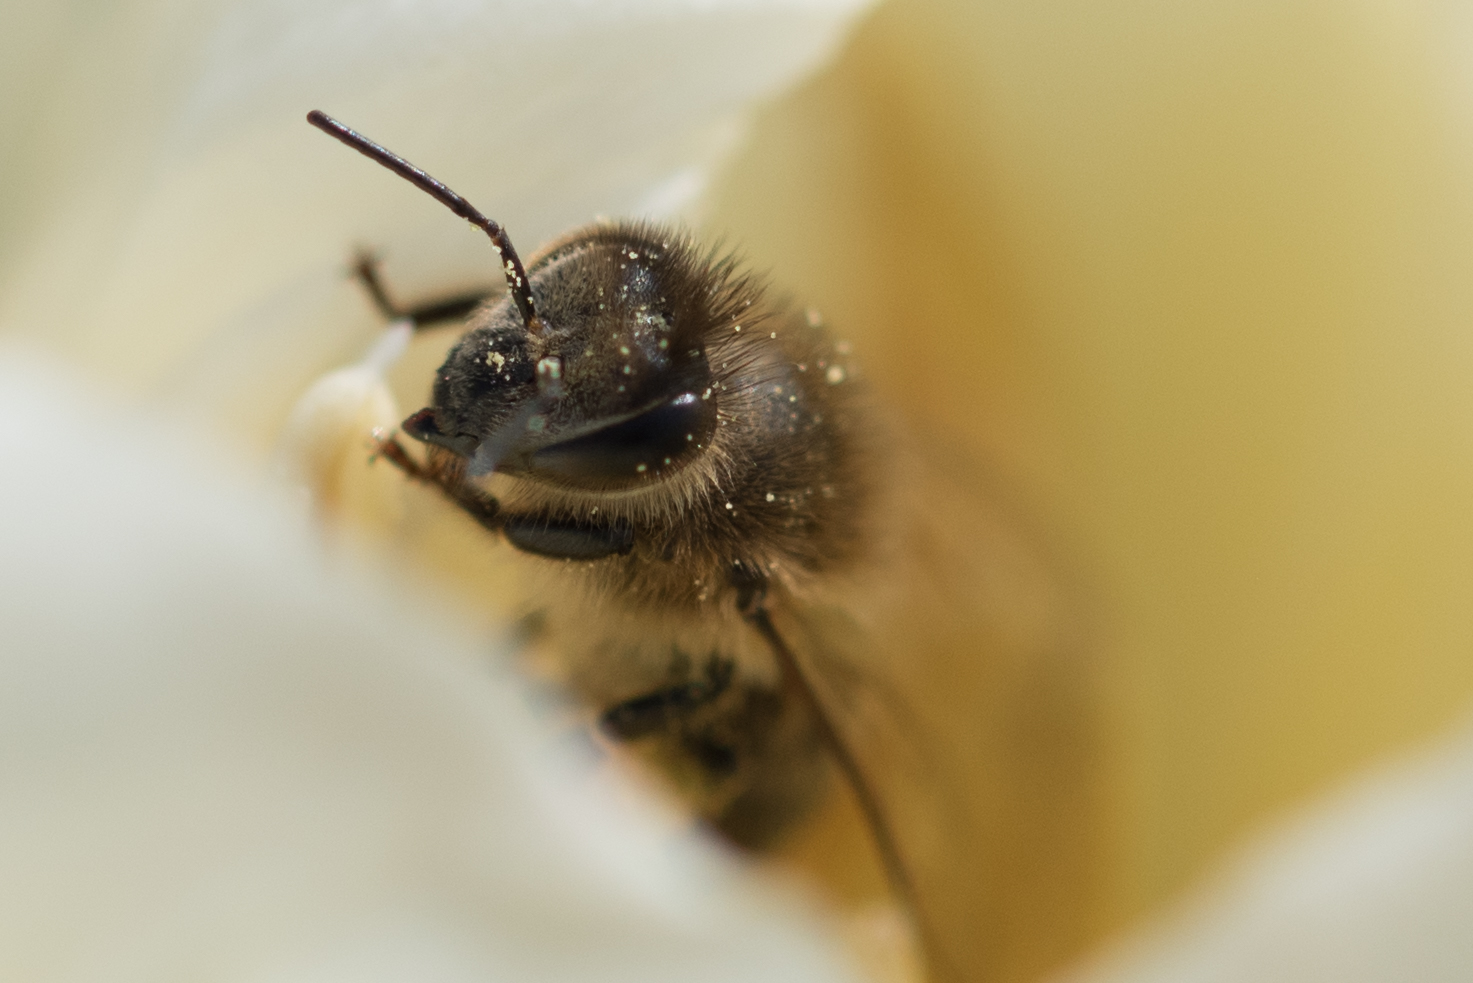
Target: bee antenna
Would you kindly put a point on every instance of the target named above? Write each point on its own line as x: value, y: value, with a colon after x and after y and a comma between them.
x: 516, y: 275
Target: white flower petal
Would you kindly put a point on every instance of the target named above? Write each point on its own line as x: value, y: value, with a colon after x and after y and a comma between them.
x: 221, y: 761
x: 181, y: 230
x: 1373, y: 886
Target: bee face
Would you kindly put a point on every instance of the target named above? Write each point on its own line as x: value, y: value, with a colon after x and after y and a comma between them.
x: 623, y: 316
x: 695, y: 434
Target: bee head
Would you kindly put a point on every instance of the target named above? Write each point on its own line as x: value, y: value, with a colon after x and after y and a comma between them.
x: 624, y: 392
x: 591, y: 373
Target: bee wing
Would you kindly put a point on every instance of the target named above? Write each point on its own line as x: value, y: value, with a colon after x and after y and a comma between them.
x: 952, y: 678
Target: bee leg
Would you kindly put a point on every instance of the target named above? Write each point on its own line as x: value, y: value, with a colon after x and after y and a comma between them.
x: 655, y: 712
x: 481, y: 507
x: 567, y: 540
x: 737, y: 749
x: 559, y: 541
x: 392, y: 451
x: 454, y: 308
x: 700, y: 721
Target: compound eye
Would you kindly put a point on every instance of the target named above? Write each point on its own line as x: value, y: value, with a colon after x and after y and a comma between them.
x: 633, y: 450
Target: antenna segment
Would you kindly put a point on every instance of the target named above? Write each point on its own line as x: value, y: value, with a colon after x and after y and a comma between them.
x: 516, y: 275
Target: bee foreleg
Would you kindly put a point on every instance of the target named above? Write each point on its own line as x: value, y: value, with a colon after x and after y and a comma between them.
x: 530, y: 534
x: 481, y: 507
x: 567, y: 540
x: 392, y: 451
x: 454, y: 308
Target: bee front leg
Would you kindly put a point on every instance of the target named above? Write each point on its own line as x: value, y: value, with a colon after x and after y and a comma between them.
x: 530, y: 534
x: 483, y: 508
x: 567, y: 540
x: 454, y: 308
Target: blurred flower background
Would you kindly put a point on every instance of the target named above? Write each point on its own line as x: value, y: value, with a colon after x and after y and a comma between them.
x: 1187, y: 286
x: 1193, y: 281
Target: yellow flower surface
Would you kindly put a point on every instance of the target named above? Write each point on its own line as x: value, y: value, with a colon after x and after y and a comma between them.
x: 1190, y: 283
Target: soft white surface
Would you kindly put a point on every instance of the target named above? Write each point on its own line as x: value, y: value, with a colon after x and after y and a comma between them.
x: 1373, y: 886
x: 221, y: 760
x: 172, y: 222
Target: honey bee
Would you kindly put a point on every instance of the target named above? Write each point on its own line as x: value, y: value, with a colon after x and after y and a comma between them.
x: 724, y: 544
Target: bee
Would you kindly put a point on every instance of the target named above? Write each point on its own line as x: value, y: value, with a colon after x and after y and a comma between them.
x: 706, y: 510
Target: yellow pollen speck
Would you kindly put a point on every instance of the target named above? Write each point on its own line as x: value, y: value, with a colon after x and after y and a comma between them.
x: 835, y: 375
x: 771, y: 497
x: 773, y: 335
x: 623, y: 349
x: 497, y: 359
